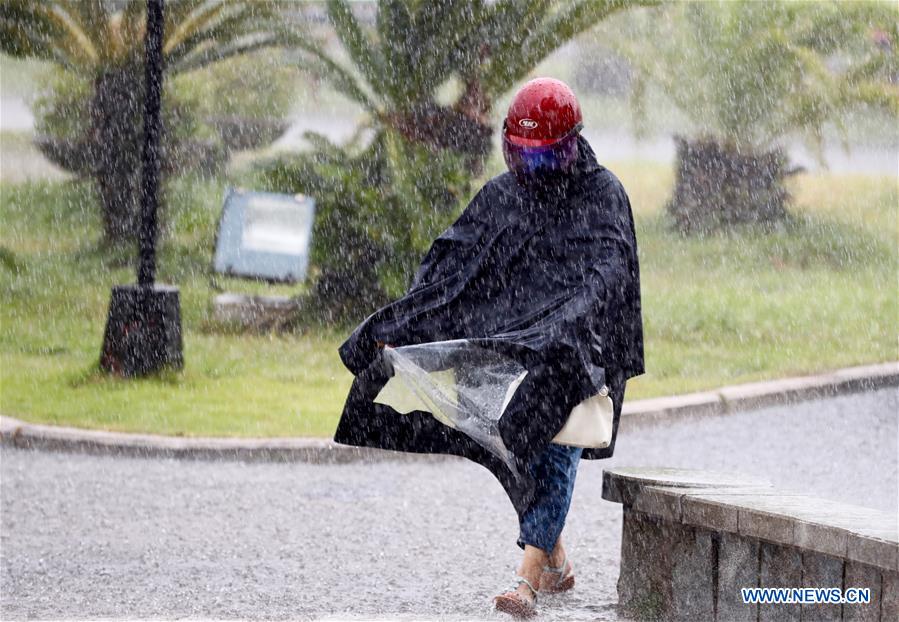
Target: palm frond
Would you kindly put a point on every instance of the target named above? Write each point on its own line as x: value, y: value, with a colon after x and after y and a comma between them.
x: 201, y: 56
x: 26, y: 30
x: 92, y: 18
x: 455, y: 39
x: 511, y: 25
x: 45, y: 30
x: 200, y: 24
x: 361, y: 49
x: 555, y: 29
x: 134, y: 20
x: 400, y: 80
x: 341, y: 79
x: 76, y: 41
x: 215, y: 31
x: 315, y: 60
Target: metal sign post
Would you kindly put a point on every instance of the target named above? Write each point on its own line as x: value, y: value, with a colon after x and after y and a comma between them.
x: 143, y: 329
x: 146, y: 272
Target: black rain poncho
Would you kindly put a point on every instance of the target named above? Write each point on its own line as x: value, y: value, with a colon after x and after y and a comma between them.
x: 545, y: 276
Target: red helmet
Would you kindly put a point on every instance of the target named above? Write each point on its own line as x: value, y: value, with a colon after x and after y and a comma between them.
x: 542, y: 112
x: 540, y: 130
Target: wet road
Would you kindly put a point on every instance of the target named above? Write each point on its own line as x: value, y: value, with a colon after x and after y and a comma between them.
x: 90, y: 537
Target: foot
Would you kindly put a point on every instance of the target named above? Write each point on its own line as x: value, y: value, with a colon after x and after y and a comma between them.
x: 557, y: 579
x: 520, y: 601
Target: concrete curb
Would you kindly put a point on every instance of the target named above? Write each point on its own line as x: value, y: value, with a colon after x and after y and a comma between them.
x: 754, y: 395
x: 20, y: 434
x: 16, y: 433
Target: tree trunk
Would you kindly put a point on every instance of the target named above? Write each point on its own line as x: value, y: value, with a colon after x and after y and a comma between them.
x: 442, y: 127
x: 719, y: 186
x: 116, y: 135
x: 463, y: 127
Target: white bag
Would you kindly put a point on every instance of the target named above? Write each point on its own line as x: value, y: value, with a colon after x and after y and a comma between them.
x: 590, y: 423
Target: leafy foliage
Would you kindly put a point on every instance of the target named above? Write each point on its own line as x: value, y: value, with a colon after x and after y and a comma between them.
x: 381, y: 205
x: 752, y: 72
x: 748, y: 74
x: 63, y: 125
x: 83, y: 35
x: 258, y: 84
x: 482, y: 48
x: 375, y: 215
x: 102, y: 43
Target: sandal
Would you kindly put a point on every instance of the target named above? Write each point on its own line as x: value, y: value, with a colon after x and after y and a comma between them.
x: 563, y: 583
x: 512, y: 602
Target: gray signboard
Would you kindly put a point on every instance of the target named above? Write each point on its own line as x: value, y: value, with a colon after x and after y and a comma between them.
x: 264, y: 235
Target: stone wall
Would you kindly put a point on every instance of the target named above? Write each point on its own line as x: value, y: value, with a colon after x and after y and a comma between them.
x: 692, y: 539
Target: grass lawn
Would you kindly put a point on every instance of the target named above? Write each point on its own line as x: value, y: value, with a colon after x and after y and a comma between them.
x: 818, y: 295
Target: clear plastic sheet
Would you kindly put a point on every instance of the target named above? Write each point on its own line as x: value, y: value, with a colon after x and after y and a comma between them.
x: 464, y: 386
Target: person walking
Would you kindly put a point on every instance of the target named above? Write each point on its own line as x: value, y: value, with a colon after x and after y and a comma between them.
x: 542, y: 268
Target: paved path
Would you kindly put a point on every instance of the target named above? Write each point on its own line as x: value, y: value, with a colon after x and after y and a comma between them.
x: 90, y: 537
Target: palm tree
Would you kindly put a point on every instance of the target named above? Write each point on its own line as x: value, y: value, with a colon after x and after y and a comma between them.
x: 748, y: 74
x: 418, y: 47
x: 102, y: 40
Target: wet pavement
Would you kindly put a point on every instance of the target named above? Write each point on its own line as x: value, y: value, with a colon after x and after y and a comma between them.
x: 92, y: 537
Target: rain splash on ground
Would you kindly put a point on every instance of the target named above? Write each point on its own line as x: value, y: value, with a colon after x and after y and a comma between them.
x: 92, y: 537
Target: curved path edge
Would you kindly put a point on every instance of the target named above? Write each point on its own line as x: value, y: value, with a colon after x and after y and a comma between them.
x: 635, y: 414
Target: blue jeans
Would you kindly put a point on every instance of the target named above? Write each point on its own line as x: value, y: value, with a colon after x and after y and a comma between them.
x: 554, y: 470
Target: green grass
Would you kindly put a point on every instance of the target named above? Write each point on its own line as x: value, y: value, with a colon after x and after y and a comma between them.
x: 818, y: 294
x: 55, y: 286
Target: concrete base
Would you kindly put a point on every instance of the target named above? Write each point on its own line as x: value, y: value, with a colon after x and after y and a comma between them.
x: 143, y: 330
x: 256, y: 313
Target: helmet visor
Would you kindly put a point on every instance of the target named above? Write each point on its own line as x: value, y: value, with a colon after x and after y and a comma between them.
x: 529, y: 161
